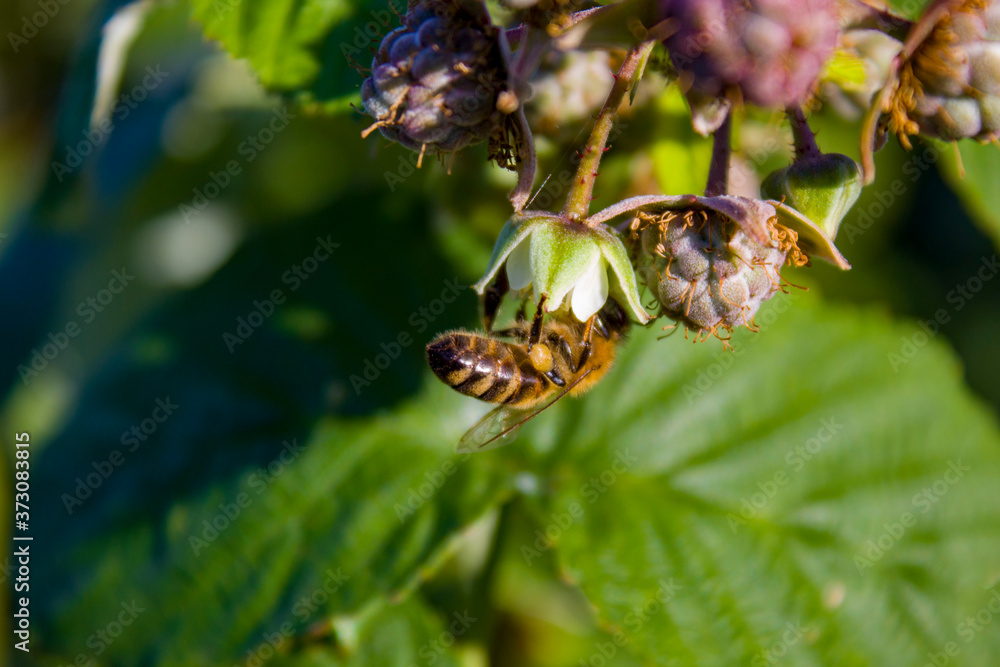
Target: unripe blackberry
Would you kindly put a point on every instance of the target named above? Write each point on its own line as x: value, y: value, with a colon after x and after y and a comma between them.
x: 771, y: 51
x: 949, y: 87
x: 705, y: 267
x: 435, y: 80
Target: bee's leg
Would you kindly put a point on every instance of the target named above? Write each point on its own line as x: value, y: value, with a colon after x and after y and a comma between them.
x: 588, y: 333
x: 556, y: 379
x: 536, y: 324
x: 601, y: 328
x: 492, y: 298
x: 566, y: 351
x: 517, y: 333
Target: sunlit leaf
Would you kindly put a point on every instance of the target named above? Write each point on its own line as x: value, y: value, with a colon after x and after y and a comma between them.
x: 825, y: 491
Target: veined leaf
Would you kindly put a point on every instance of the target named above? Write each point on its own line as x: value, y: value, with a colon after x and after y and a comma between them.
x: 301, y: 46
x: 826, y: 493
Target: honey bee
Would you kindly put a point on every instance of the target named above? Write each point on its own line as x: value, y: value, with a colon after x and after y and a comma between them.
x: 543, y: 363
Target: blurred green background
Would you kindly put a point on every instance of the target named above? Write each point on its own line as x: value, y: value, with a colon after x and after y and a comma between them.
x: 300, y: 502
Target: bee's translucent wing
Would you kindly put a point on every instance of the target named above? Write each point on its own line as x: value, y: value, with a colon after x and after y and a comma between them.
x: 500, y: 426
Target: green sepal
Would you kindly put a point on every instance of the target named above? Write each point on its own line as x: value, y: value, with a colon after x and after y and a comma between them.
x: 624, y: 287
x: 515, y: 230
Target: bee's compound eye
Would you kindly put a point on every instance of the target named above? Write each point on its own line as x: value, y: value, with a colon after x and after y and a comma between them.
x: 541, y: 358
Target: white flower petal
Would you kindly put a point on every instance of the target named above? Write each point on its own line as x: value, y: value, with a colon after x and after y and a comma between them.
x: 591, y: 291
x: 519, y: 273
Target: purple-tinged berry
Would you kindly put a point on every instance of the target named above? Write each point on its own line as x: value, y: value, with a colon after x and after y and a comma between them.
x: 435, y: 80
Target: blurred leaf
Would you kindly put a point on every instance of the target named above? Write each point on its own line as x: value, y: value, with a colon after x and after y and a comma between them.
x: 330, y: 346
x: 79, y: 207
x: 242, y: 389
x: 978, y: 189
x: 680, y: 156
x: 336, y: 530
x: 717, y: 500
x: 307, y: 46
x: 391, y: 637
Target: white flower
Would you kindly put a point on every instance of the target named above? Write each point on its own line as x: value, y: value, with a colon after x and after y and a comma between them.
x: 586, y: 296
x: 562, y: 259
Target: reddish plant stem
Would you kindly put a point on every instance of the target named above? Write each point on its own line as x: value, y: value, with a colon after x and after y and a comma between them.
x: 581, y: 192
x: 718, y: 170
x: 802, y: 134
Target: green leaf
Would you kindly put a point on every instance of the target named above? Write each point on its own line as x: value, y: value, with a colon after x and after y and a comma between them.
x: 284, y: 517
x: 720, y: 505
x: 393, y: 635
x: 337, y: 528
x: 978, y: 188
x: 680, y: 155
x: 304, y: 46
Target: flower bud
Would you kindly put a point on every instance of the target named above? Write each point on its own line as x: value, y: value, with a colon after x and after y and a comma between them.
x: 822, y: 188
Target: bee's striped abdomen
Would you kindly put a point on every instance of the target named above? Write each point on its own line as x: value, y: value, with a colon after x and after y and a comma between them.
x: 483, y: 367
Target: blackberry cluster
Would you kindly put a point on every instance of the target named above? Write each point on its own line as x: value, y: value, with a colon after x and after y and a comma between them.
x: 435, y: 80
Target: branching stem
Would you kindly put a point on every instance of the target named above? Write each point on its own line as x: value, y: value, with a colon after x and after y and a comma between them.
x: 581, y: 192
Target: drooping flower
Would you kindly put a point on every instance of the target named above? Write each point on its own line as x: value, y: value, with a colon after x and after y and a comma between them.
x: 573, y: 266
